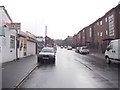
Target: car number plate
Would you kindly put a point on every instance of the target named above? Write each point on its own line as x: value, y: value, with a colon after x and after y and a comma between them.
x: 45, y: 58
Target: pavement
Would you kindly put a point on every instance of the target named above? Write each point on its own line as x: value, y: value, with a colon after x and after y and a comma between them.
x: 14, y: 72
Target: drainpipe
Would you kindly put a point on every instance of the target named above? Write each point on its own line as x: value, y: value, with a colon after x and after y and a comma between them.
x: 17, y: 45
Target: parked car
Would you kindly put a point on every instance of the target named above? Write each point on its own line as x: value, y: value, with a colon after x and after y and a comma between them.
x: 77, y: 49
x: 61, y: 46
x: 84, y: 50
x: 69, y: 48
x: 65, y: 46
x: 47, y: 54
x: 112, y: 52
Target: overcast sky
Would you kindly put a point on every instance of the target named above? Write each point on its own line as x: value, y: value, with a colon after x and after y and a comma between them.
x: 62, y: 17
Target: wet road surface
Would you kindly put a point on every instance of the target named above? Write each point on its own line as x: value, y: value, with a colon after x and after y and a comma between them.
x: 73, y: 70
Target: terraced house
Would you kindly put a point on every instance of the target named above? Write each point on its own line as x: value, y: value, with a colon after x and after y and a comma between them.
x: 98, y: 34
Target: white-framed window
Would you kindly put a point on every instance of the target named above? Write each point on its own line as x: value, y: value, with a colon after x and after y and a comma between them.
x: 101, y: 22
x: 101, y: 34
x: 90, y: 32
x: 106, y: 32
x: 111, y: 25
x: 12, y: 41
x: 106, y: 19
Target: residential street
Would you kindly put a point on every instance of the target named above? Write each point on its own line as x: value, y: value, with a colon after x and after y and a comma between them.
x: 84, y: 50
x: 73, y: 70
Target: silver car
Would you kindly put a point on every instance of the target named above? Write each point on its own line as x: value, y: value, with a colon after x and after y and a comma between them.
x: 47, y: 54
x: 84, y: 50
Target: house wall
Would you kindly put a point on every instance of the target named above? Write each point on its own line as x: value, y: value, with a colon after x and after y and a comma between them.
x: 8, y: 53
x: 89, y: 36
x: 77, y: 40
x: 117, y: 22
x: 83, y: 37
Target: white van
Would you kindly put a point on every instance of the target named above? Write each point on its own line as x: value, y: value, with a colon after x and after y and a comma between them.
x: 112, y: 52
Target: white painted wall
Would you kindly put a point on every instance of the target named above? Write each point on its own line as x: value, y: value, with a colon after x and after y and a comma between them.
x: 7, y: 55
x: 0, y: 49
x: 31, y: 48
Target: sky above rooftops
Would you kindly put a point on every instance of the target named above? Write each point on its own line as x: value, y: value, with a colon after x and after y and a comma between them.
x: 62, y: 17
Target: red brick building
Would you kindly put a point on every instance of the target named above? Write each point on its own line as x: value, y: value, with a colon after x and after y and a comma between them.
x: 74, y: 39
x: 98, y: 34
x: 49, y: 41
x: 106, y: 29
x: 89, y: 36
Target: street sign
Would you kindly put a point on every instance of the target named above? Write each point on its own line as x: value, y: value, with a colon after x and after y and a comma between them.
x: 16, y: 26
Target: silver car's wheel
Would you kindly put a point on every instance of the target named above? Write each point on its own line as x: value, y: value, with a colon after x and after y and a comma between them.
x: 108, y: 60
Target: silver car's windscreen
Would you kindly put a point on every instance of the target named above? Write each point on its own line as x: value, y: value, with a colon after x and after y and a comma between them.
x: 49, y: 50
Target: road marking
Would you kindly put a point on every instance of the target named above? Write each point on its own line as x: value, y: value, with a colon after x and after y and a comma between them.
x: 85, y: 65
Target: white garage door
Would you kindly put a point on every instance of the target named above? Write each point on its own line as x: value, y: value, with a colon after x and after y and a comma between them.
x: 31, y: 48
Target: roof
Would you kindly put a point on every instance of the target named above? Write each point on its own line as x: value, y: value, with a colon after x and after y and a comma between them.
x: 3, y: 7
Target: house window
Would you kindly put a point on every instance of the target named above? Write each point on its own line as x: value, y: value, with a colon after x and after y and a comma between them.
x: 2, y: 30
x: 100, y: 22
x: 97, y: 23
x: 90, y: 32
x: 106, y: 32
x: 12, y: 41
x: 106, y: 19
x: 101, y: 34
x: 111, y: 25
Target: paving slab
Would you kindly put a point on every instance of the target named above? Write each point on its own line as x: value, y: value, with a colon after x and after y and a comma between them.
x: 13, y: 72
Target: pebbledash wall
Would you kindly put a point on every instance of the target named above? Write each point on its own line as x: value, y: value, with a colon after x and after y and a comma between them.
x: 7, y: 38
x: 98, y: 34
